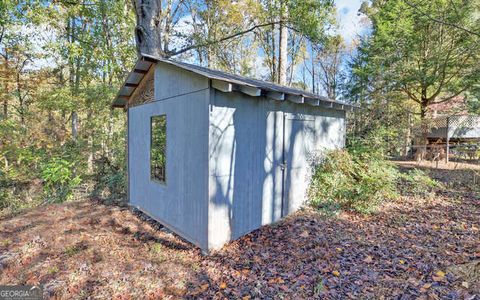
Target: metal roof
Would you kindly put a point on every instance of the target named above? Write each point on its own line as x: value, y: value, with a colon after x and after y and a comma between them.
x: 225, y: 82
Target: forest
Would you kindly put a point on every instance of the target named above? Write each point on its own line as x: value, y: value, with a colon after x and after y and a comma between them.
x: 388, y: 217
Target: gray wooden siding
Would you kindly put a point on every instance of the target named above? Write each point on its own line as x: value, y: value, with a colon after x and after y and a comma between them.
x: 180, y: 204
x: 171, y: 81
x: 245, y: 154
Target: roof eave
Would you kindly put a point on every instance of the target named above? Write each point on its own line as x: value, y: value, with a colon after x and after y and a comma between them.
x: 224, y: 84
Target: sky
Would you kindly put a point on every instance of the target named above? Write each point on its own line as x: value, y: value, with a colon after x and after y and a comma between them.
x: 349, y: 21
x: 350, y: 26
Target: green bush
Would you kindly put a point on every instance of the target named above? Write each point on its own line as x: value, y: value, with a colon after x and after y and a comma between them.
x: 360, y: 178
x: 357, y: 181
x: 59, y: 179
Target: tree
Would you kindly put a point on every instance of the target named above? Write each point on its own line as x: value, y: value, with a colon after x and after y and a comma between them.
x: 219, y: 18
x: 428, y: 61
x: 310, y: 18
x: 473, y: 100
x: 330, y: 56
x: 283, y: 42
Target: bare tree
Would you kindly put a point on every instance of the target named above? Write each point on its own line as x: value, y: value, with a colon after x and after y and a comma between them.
x: 330, y: 57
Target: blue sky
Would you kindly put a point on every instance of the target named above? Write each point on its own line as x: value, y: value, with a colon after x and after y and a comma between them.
x: 349, y: 21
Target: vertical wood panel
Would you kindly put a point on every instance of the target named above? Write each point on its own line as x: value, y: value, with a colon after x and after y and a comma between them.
x: 181, y: 204
x: 245, y: 156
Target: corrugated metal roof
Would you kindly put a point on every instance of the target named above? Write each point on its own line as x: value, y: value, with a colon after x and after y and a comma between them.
x: 225, y: 82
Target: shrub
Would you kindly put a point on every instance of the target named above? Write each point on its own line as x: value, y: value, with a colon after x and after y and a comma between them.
x: 359, y: 179
x: 355, y: 180
x: 59, y: 179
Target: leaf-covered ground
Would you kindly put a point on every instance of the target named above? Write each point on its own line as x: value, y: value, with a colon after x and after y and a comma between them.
x: 425, y: 248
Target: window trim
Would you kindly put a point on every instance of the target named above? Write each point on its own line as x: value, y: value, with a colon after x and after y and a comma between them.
x: 164, y: 182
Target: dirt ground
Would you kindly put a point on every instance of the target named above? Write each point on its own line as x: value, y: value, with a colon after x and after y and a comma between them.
x: 442, y: 165
x: 426, y: 248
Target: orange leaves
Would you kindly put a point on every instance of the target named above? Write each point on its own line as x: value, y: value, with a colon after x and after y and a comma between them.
x: 336, y: 273
x: 223, y: 285
x: 204, y: 287
x: 277, y: 280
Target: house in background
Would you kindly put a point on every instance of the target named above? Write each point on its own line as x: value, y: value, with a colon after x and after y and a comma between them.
x: 213, y: 156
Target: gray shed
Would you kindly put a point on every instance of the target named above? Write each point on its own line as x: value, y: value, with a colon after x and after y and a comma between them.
x: 213, y: 156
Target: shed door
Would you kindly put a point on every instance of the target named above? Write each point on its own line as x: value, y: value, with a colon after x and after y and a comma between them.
x: 299, y: 148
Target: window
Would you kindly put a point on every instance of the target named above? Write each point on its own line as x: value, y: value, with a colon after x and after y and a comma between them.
x: 158, y: 148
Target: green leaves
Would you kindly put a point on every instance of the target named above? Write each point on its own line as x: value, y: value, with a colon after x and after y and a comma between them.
x: 361, y: 178
x: 419, y: 49
x: 313, y: 18
x: 354, y: 181
x: 59, y: 179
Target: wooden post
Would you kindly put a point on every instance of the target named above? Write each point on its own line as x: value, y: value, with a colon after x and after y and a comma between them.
x: 447, y: 152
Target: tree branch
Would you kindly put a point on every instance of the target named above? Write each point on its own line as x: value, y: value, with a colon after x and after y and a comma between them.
x: 451, y: 97
x: 216, y: 41
x: 410, y: 95
x: 417, y: 10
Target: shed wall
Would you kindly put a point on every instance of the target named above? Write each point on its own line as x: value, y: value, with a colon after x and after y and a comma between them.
x: 246, y: 153
x: 181, y: 204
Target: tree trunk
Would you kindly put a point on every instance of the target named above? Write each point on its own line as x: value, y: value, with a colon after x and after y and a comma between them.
x: 21, y: 106
x: 421, y: 153
x: 148, y: 31
x: 74, y: 118
x: 73, y: 77
x: 313, y: 70
x: 90, y: 142
x: 282, y: 54
x: 5, y: 99
x: 408, y: 135
x: 274, y: 56
x: 110, y: 133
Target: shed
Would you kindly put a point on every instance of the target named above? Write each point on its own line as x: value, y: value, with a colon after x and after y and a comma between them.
x: 213, y: 156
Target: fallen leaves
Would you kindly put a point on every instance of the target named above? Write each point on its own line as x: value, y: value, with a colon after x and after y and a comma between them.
x: 305, y: 234
x: 368, y: 259
x: 413, y: 248
x: 223, y: 285
x: 277, y: 280
x: 425, y: 287
x: 439, y: 276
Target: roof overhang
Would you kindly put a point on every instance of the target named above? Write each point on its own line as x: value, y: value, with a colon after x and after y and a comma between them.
x: 142, y: 66
x: 225, y: 82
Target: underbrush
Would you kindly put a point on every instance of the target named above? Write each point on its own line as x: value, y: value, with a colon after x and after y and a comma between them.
x: 416, y: 183
x: 360, y: 178
x: 110, y: 182
x: 57, y: 179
